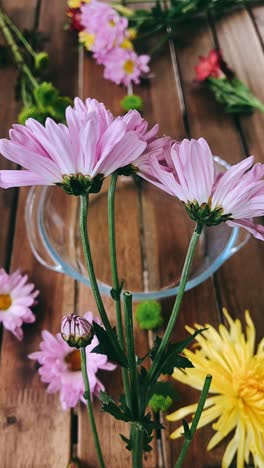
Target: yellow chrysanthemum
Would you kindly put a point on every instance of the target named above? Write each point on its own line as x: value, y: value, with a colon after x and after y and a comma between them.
x: 237, y: 385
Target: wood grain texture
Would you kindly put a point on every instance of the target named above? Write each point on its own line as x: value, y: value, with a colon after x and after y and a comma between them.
x: 204, y: 118
x: 36, y: 431
x: 238, y: 286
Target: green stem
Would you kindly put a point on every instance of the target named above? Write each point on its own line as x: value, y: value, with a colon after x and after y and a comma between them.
x: 15, y: 50
x: 115, y: 277
x: 90, y: 408
x: 90, y: 269
x: 137, y: 446
x: 195, y: 422
x: 177, y: 305
x: 20, y: 36
x: 131, y: 356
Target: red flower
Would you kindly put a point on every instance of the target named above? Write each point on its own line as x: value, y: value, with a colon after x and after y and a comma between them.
x: 209, y: 66
x: 74, y: 15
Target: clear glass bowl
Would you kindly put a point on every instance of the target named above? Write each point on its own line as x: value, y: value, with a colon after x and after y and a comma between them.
x: 152, y: 230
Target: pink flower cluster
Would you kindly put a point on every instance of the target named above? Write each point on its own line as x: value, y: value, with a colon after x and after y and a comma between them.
x: 105, y: 33
x: 60, y: 367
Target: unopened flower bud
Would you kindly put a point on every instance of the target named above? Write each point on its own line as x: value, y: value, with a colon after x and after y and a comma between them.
x: 160, y: 402
x: 76, y: 331
x: 41, y: 60
x: 132, y: 101
x: 148, y: 315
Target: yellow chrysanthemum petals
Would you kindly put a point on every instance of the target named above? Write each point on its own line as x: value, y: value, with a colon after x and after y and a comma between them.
x: 230, y: 452
x: 238, y: 384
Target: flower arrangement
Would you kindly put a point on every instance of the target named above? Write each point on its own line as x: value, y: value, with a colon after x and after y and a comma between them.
x: 113, y: 33
x: 105, y: 33
x: 78, y: 156
x: 226, y: 87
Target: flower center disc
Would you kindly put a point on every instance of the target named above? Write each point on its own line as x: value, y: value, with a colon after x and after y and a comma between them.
x: 5, y: 301
x: 129, y: 66
x: 73, y: 359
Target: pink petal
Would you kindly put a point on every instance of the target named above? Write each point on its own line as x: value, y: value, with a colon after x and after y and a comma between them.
x: 256, y: 229
x: 21, y: 178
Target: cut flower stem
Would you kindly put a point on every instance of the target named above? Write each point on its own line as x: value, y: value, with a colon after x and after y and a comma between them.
x: 90, y: 408
x: 115, y: 277
x: 196, y: 419
x: 177, y: 305
x: 90, y: 268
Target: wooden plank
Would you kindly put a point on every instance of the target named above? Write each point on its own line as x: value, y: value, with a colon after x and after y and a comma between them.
x: 204, y: 118
x: 240, y: 286
x: 238, y: 38
x: 8, y: 115
x: 36, y: 430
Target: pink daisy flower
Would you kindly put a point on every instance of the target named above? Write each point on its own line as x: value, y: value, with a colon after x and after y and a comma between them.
x: 124, y: 66
x: 105, y: 26
x: 17, y: 296
x: 60, y: 367
x: 234, y: 197
x: 76, y: 156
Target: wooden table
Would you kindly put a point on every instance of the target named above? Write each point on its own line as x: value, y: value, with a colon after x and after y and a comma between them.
x: 35, y: 432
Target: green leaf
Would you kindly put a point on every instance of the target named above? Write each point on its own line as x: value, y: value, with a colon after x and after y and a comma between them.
x: 120, y: 412
x: 127, y: 442
x: 172, y: 357
x: 106, y: 346
x: 179, y: 347
x: 173, y: 360
x: 234, y: 95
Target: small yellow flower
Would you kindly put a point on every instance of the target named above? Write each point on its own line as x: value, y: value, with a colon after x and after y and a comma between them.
x: 237, y: 385
x: 129, y: 66
x: 77, y: 3
x: 132, y: 33
x: 127, y: 44
x: 86, y: 39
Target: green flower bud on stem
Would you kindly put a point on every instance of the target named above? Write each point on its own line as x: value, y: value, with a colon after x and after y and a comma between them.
x: 160, y: 402
x: 45, y: 94
x: 41, y: 60
x: 148, y: 315
x: 32, y: 112
x: 132, y: 101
